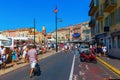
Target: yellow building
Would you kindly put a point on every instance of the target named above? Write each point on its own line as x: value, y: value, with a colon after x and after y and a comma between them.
x: 105, y: 24
x: 65, y: 34
x: 25, y: 33
x: 86, y: 32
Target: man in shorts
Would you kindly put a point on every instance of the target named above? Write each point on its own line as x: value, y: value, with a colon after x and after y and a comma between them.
x: 3, y: 56
x: 32, y: 54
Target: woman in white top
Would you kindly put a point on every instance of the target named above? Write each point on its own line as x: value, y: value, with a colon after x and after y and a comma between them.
x: 104, y: 49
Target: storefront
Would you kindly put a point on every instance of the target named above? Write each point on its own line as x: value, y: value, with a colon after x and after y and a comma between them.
x: 100, y: 38
x: 115, y: 50
x: 104, y: 39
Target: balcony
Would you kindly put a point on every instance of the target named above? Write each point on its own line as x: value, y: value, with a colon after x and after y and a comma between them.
x: 92, y: 23
x: 93, y: 7
x: 109, y: 5
x: 99, y: 16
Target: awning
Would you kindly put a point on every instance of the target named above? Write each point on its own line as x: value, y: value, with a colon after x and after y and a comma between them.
x: 20, y: 38
x: 76, y: 35
x: 3, y: 38
x: 52, y: 40
x: 100, y: 35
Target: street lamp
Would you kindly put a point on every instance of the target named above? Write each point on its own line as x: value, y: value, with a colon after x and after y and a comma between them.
x: 55, y: 11
x: 34, y: 32
x: 56, y: 19
x: 56, y: 33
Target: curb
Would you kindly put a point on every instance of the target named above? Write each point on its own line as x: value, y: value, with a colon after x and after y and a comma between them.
x: 109, y: 66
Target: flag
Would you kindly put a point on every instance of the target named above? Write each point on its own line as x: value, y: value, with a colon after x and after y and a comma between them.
x: 55, y: 10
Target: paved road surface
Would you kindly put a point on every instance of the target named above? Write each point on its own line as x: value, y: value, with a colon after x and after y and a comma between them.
x: 55, y: 67
x: 58, y: 67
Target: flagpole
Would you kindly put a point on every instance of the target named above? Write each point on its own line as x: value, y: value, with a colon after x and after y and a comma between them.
x: 56, y: 31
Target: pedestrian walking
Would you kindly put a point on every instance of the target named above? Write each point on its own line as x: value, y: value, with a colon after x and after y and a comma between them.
x: 14, y: 56
x: 104, y: 50
x: 24, y: 50
x: 3, y: 56
x: 32, y: 54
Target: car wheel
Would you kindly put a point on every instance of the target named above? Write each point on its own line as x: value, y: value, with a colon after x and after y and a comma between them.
x: 95, y: 61
x: 82, y: 59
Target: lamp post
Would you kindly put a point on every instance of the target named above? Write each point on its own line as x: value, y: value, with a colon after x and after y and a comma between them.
x: 34, y: 31
x: 56, y: 31
x: 56, y: 19
x: 55, y: 11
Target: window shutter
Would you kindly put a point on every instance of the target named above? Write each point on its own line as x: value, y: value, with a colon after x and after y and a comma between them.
x: 119, y: 14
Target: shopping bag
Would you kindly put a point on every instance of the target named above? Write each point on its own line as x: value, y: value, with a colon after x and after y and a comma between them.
x: 0, y: 62
x: 37, y: 70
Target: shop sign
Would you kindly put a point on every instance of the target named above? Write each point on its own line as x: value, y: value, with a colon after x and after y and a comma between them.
x: 115, y: 33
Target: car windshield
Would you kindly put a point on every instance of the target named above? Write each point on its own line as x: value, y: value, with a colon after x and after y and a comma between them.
x: 84, y: 46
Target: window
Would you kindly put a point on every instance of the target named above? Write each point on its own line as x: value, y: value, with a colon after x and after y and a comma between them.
x: 115, y: 16
x: 62, y: 38
x: 18, y: 35
x: 101, y: 10
x: 119, y: 14
x: 58, y: 37
x: 98, y: 28
x: 109, y: 21
x: 101, y: 25
x: 112, y: 1
x: 119, y: 41
x: 112, y: 16
x: 106, y: 21
x: 113, y: 42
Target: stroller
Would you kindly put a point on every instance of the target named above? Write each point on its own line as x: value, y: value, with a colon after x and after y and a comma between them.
x: 88, y: 56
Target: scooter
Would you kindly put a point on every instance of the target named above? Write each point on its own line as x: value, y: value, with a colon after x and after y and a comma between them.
x: 88, y: 56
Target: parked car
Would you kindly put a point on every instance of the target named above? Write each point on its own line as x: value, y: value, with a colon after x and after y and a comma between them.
x: 84, y: 48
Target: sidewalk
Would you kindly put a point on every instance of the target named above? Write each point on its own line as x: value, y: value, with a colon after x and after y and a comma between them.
x: 20, y: 64
x: 111, y: 63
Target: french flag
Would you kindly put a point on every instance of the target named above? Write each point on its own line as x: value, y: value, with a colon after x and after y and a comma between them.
x: 55, y: 10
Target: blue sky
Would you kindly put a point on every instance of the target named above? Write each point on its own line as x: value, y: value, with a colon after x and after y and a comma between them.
x: 15, y: 14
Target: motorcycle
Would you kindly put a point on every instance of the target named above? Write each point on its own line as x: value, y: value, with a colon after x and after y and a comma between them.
x: 88, y: 56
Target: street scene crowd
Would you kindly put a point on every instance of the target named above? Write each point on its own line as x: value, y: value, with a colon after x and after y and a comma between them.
x: 19, y: 53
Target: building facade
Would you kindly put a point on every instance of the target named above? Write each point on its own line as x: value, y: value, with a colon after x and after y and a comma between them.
x: 65, y: 34
x: 105, y: 24
x: 25, y: 33
x: 86, y: 31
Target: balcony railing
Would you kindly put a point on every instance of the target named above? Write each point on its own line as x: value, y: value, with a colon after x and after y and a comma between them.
x: 109, y: 5
x: 92, y: 23
x: 93, y: 7
x: 99, y: 15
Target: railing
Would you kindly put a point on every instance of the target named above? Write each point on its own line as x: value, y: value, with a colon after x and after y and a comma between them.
x: 99, y: 14
x: 92, y: 22
x: 93, y: 4
x: 109, y: 2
